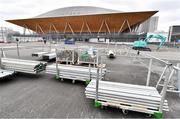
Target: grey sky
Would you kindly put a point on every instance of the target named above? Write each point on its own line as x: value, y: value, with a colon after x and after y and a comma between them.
x: 169, y: 10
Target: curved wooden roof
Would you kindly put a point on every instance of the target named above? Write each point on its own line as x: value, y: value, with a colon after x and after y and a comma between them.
x: 111, y: 22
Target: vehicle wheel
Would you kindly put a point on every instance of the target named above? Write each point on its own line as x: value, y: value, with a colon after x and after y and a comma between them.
x: 148, y: 115
x: 125, y: 112
x: 62, y: 79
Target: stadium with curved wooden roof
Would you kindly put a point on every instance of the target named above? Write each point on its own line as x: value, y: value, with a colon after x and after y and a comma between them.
x: 81, y: 19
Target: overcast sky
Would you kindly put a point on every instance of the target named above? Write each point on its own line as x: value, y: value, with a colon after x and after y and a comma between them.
x: 169, y: 10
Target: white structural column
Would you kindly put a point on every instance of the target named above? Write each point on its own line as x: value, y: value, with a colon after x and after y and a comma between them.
x: 128, y: 25
x: 24, y: 30
x: 125, y: 21
x: 83, y: 25
x: 50, y: 27
x: 101, y: 27
x: 25, y: 26
x: 36, y: 28
x: 121, y: 26
x: 70, y: 28
x: 87, y: 25
x: 54, y: 28
x: 40, y: 28
x: 107, y: 26
x: 65, y: 28
x: 82, y: 28
x: 68, y: 25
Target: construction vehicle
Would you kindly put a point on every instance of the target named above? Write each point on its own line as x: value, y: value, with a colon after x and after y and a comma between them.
x: 142, y: 44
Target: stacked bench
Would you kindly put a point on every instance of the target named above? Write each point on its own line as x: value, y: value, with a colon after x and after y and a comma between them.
x: 126, y: 96
x: 25, y: 66
x: 38, y: 54
x: 74, y: 72
x: 49, y: 56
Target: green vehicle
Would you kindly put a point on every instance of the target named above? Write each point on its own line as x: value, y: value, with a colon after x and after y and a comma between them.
x: 142, y: 44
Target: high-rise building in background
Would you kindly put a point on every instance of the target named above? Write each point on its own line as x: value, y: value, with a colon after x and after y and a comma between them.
x: 149, y: 25
x: 174, y: 33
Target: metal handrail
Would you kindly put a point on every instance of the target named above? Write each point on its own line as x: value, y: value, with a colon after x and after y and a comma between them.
x: 166, y: 62
x: 176, y: 68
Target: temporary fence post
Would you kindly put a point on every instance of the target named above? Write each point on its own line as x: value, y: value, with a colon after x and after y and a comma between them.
x: 178, y: 78
x: 50, y: 39
x: 94, y: 63
x: 73, y: 53
x: 2, y: 53
x: 67, y: 60
x: 149, y: 72
x: 97, y: 83
x: 1, y: 57
x: 101, y: 67
x: 89, y: 71
x: 57, y: 69
x: 163, y: 92
x: 108, y: 46
x: 17, y: 43
x: 162, y: 75
x: 97, y: 61
x: 116, y: 48
x: 50, y: 44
